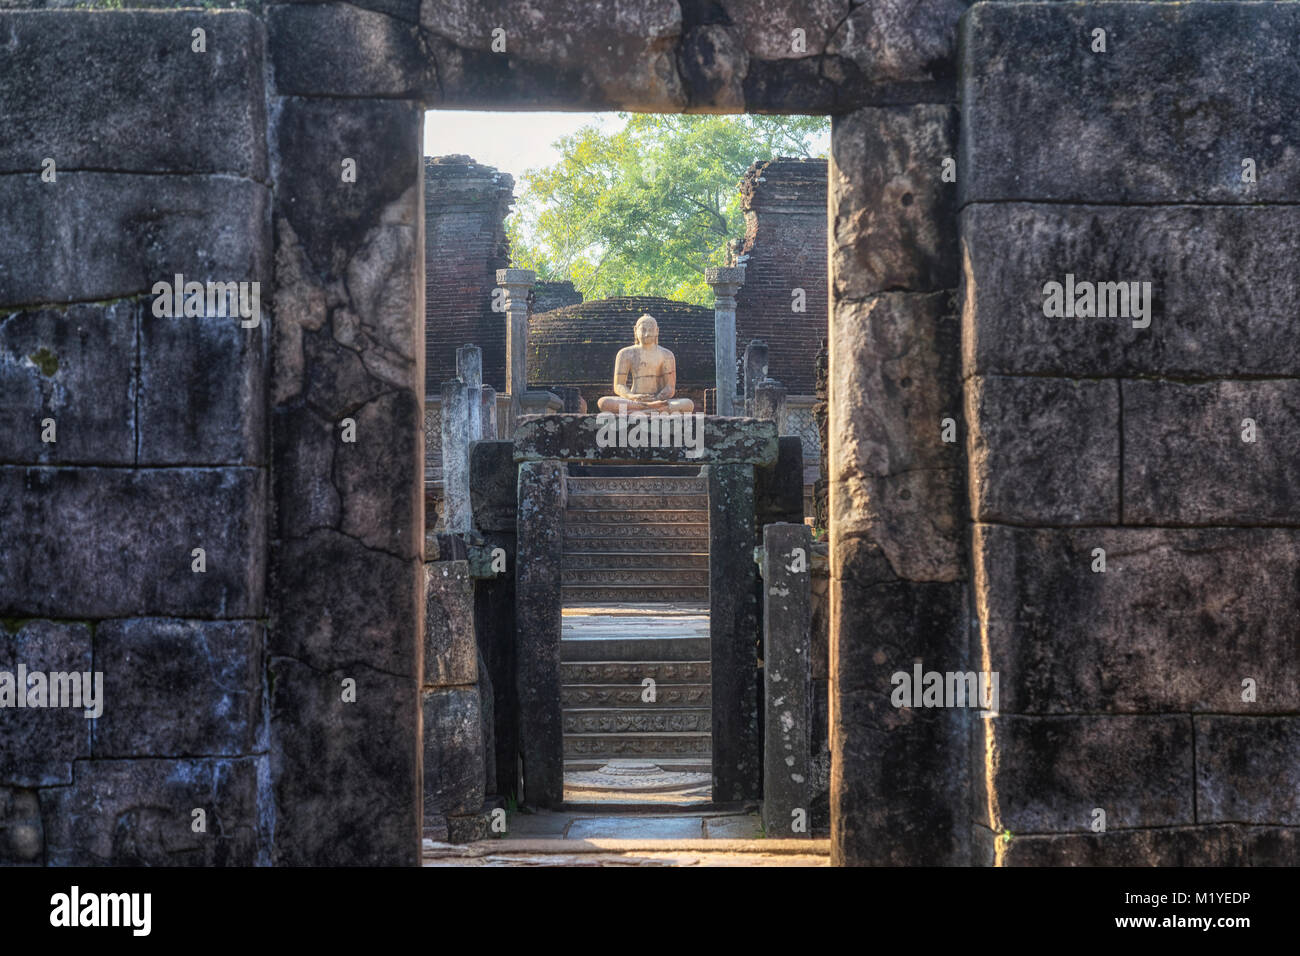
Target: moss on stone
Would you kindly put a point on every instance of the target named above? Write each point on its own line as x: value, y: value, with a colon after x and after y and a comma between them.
x: 45, y: 360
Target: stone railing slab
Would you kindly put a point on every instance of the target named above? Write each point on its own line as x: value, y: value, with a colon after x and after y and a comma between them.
x: 597, y: 438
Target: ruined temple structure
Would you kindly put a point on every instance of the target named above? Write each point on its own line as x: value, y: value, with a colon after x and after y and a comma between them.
x: 227, y: 520
x: 575, y: 345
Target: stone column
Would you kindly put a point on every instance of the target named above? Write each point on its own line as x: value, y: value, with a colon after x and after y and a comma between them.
x: 769, y: 402
x: 469, y: 369
x: 488, y: 414
x: 517, y: 283
x: 733, y: 632
x: 455, y: 456
x: 726, y: 282
x: 755, y: 370
x: 537, y: 629
x: 787, y: 618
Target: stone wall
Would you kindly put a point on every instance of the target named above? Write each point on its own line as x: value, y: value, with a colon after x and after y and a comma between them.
x: 1136, y: 560
x: 157, y: 440
x: 1122, y: 689
x: 465, y: 207
x: 784, y: 201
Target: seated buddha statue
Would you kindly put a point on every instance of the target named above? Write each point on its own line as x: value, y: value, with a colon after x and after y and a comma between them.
x: 645, y: 375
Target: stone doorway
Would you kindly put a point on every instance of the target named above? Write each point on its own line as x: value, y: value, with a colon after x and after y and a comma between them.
x: 636, y: 695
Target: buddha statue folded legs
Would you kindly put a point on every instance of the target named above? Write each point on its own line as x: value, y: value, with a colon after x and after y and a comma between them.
x: 645, y: 375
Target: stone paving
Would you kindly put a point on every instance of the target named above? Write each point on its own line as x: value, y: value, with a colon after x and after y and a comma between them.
x: 581, y: 838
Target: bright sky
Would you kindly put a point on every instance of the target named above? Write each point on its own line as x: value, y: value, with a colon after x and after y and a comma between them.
x: 512, y: 142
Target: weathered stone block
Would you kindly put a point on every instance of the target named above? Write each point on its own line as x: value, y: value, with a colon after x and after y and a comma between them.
x: 787, y: 683
x: 1248, y: 769
x: 341, y: 49
x: 343, y: 799
x: 453, y: 751
x: 1218, y: 84
x: 1050, y: 773
x: 174, y: 688
x: 349, y: 275
x: 537, y: 626
x: 1186, y: 460
x: 899, y: 776
x: 578, y: 438
x: 1173, y: 846
x: 140, y: 813
x: 39, y: 744
x: 893, y: 218
x: 379, y: 476
x: 895, y: 45
x: 340, y: 602
x: 1176, y: 622
x: 892, y: 474
x: 62, y: 518
x: 734, y: 633
x: 450, y: 648
x: 306, y: 497
x: 22, y: 836
x: 493, y: 483
x: 55, y: 106
x: 95, y: 236
x: 75, y: 366
x: 202, y: 391
x: 778, y: 491
x: 575, y: 54
x: 1043, y: 450
x: 1216, y: 307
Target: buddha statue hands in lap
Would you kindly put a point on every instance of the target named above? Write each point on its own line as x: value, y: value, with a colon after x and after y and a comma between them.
x: 645, y: 375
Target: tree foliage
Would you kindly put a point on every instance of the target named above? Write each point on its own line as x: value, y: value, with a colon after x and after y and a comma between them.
x: 644, y: 210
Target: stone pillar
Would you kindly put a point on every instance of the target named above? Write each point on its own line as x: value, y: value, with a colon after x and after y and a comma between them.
x: 769, y: 402
x: 517, y: 283
x: 488, y: 414
x: 469, y: 369
x: 494, y: 489
x: 537, y: 630
x: 725, y: 282
x: 787, y: 617
x: 455, y: 456
x: 899, y: 779
x: 733, y: 632
x: 755, y: 371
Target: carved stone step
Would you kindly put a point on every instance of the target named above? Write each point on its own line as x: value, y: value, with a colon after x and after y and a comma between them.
x: 635, y: 649
x: 611, y: 502
x: 578, y: 543
x: 638, y: 745
x: 667, y: 696
x: 641, y: 720
x: 636, y: 560
x: 694, y: 531
x: 577, y: 595
x: 633, y: 672
x: 638, y: 577
x: 638, y: 518
x: 638, y: 486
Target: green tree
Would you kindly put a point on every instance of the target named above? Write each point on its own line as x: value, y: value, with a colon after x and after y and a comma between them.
x: 644, y: 210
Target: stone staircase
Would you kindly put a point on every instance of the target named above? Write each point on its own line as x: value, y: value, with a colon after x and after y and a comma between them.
x: 636, y: 540
x: 605, y: 714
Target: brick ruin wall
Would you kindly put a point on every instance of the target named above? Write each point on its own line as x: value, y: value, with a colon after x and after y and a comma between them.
x: 1120, y: 690
x: 465, y: 207
x: 784, y: 201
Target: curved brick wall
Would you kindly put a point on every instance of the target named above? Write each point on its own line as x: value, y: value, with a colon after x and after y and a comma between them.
x: 576, y: 345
